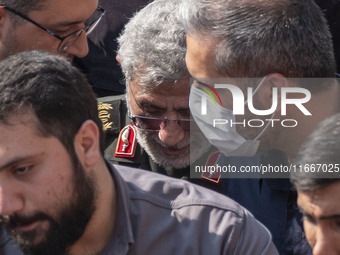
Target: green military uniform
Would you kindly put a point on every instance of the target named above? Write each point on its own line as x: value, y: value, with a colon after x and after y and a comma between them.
x: 113, y: 113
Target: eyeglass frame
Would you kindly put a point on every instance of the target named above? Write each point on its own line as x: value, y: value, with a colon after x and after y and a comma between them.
x: 163, y: 120
x: 56, y: 35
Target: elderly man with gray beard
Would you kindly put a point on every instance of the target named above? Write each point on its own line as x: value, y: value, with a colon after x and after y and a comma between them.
x: 151, y: 54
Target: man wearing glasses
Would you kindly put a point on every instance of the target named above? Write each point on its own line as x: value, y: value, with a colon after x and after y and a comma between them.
x: 57, y: 26
x: 158, y: 86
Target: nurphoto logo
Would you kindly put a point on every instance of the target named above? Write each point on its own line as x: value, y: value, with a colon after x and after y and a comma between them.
x: 239, y: 104
x: 239, y: 101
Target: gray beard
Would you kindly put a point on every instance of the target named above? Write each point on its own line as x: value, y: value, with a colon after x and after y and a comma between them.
x: 151, y: 143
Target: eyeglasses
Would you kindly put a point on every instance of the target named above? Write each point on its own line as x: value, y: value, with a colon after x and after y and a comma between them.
x: 156, y: 124
x: 68, y: 40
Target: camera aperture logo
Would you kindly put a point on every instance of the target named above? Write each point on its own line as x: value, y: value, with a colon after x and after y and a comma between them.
x: 239, y: 104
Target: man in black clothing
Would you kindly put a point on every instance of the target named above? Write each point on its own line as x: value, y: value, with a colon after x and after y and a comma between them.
x: 100, y: 64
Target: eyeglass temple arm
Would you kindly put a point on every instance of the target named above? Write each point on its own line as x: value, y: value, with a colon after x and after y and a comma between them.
x: 32, y: 21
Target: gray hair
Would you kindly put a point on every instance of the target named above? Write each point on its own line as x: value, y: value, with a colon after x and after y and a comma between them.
x: 256, y: 37
x: 321, y: 149
x: 152, y: 46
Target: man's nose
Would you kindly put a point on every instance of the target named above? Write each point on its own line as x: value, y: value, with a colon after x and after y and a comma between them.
x: 325, y: 244
x: 10, y: 201
x: 171, y: 134
x: 80, y: 47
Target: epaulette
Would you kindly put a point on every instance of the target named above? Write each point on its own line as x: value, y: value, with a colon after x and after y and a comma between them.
x: 112, y: 112
x: 212, y: 177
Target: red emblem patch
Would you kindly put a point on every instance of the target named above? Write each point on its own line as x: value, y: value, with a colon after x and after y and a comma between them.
x: 126, y: 145
x: 214, y: 177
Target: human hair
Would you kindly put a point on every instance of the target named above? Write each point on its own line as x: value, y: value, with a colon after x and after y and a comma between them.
x: 152, y: 46
x: 319, y: 157
x: 259, y: 37
x: 52, y: 89
x: 23, y: 6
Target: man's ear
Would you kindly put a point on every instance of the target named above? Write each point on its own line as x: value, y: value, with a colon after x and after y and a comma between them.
x: 86, y: 143
x: 118, y: 59
x: 274, y: 80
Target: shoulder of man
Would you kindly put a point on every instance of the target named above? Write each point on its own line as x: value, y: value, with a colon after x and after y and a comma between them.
x: 234, y: 229
x: 113, y: 113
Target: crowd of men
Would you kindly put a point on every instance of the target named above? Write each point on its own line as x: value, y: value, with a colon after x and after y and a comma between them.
x: 79, y: 142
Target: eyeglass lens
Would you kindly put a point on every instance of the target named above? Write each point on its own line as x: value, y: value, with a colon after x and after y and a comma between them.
x: 90, y: 24
x: 69, y: 40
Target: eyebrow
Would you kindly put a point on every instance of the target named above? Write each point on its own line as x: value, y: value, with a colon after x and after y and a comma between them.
x: 17, y: 160
x: 145, y: 103
x: 322, y: 217
x: 66, y: 23
x: 330, y: 217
